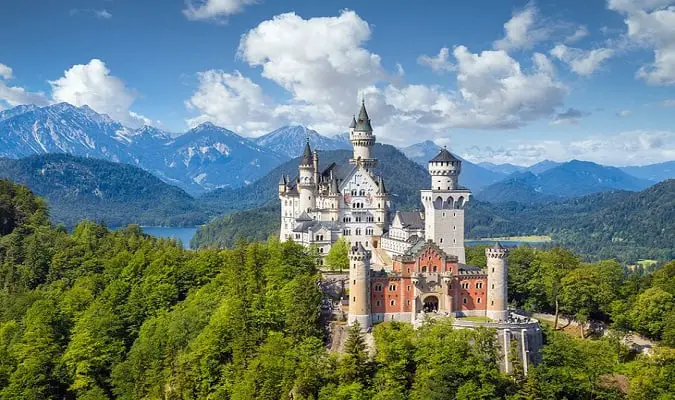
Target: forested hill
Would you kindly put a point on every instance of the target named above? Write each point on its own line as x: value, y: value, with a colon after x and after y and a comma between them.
x: 117, y: 194
x: 628, y: 225
x: 100, y: 314
x: 403, y: 178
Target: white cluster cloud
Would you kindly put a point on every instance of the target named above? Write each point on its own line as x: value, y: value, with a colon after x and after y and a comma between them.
x: 326, y: 69
x: 214, y: 9
x: 231, y: 100
x: 438, y: 63
x: 578, y: 34
x: 91, y: 84
x: 15, y: 95
x: 524, y: 30
x: 651, y: 24
x: 626, y: 148
x: 582, y: 62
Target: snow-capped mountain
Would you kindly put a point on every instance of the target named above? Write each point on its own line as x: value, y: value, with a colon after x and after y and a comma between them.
x: 211, y: 157
x: 290, y: 141
x: 63, y: 128
x: 204, y: 158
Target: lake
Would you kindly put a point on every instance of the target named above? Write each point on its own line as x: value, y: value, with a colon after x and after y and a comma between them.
x: 183, y: 234
x: 506, y: 243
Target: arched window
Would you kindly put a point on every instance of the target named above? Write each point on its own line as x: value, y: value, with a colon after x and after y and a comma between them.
x: 353, y: 192
x: 464, y: 300
x: 392, y: 288
x: 369, y: 231
x: 378, y: 287
x: 435, y: 269
x: 392, y: 303
x: 424, y: 268
x: 478, y: 300
x: 449, y: 203
x: 362, y: 192
x: 358, y: 231
x: 460, y: 202
x: 438, y: 203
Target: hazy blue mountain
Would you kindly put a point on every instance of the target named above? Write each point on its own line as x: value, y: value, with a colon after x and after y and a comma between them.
x: 118, y: 194
x: 290, y: 141
x: 208, y: 157
x: 571, y: 179
x: 505, y: 169
x: 542, y: 166
x: 653, y: 172
x: 473, y: 176
x: 202, y: 159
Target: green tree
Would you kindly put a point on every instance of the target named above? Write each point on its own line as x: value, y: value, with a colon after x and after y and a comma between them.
x: 338, y: 256
x: 650, y: 310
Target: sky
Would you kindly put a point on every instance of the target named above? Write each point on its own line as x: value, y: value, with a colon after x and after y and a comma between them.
x: 495, y: 81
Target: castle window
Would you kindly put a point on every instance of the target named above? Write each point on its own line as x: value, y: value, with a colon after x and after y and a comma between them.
x: 392, y: 303
x: 408, y: 288
x: 441, y: 240
x: 358, y: 231
x: 424, y: 268
x: 378, y: 287
x: 493, y: 285
x: 377, y: 303
x: 435, y: 268
x: 479, y: 285
x: 353, y: 192
x: 392, y: 288
x: 478, y: 300
x: 492, y: 303
x: 464, y: 300
x: 354, y: 299
x: 369, y: 231
x: 354, y: 281
x: 465, y: 285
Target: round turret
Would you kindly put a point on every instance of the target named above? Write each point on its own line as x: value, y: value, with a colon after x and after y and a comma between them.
x: 362, y: 139
x: 359, y: 286
x: 306, y: 179
x: 444, y: 170
x: 497, y: 271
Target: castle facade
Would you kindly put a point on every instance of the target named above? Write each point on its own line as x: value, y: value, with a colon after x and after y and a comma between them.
x: 408, y: 265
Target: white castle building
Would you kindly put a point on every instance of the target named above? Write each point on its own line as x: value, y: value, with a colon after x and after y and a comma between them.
x: 320, y: 206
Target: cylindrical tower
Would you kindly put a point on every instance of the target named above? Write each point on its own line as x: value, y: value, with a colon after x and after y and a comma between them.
x: 306, y: 184
x: 497, y: 271
x: 362, y: 139
x: 359, y: 286
x: 444, y: 170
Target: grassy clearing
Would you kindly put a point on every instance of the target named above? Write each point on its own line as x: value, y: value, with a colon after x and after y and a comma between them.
x: 531, y: 238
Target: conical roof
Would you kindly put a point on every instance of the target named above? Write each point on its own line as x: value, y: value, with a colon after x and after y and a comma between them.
x: 307, y: 157
x: 381, y: 187
x: 498, y: 246
x: 444, y: 156
x: 282, y: 180
x: 363, y: 122
x: 353, y: 123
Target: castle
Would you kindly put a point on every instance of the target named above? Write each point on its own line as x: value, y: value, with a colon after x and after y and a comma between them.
x: 408, y: 265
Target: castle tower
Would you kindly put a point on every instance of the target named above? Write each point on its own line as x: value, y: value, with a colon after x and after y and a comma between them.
x: 380, y: 213
x: 362, y: 138
x: 359, y: 286
x: 497, y: 270
x: 444, y: 205
x: 306, y: 183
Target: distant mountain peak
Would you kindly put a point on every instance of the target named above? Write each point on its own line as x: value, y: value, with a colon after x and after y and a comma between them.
x: 289, y: 140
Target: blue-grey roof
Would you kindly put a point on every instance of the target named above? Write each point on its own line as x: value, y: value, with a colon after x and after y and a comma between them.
x: 307, y: 156
x: 444, y: 156
x: 353, y: 123
x: 363, y: 122
x: 411, y: 219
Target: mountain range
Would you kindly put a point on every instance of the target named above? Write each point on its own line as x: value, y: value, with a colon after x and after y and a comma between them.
x: 78, y: 188
x: 290, y: 141
x: 209, y: 157
x: 204, y: 158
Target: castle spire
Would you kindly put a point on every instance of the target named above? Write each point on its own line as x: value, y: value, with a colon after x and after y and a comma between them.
x: 363, y: 122
x: 307, y: 156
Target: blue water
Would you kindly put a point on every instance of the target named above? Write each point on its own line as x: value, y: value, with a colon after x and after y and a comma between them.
x: 183, y: 234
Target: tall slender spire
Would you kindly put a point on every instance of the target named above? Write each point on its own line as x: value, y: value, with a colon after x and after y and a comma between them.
x: 363, y: 122
x: 307, y: 156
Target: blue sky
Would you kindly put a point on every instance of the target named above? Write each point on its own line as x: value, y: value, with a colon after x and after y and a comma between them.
x: 500, y: 81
